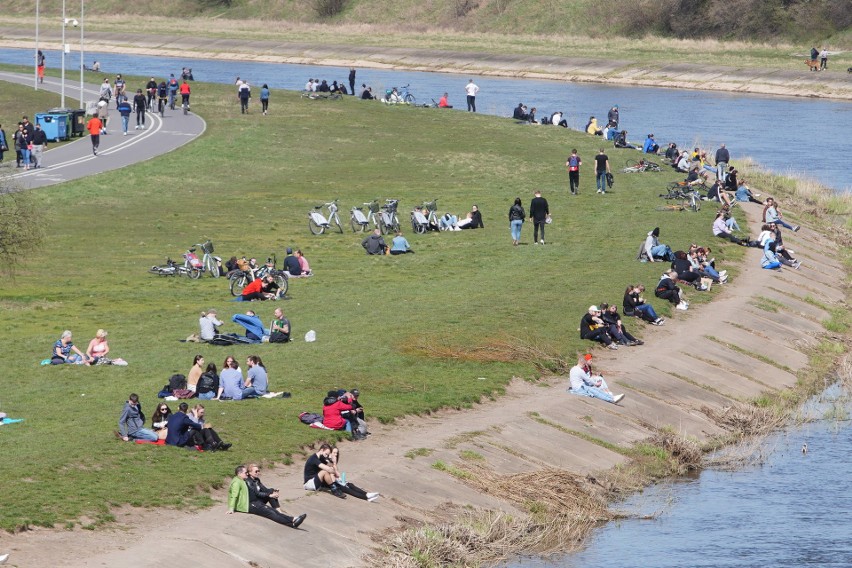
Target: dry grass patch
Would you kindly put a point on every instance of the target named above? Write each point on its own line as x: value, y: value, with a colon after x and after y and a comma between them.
x: 507, y: 349
x: 745, y: 420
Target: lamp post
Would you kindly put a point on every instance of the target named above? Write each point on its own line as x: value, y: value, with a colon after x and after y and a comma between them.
x: 36, y: 48
x: 82, y: 22
x: 65, y: 22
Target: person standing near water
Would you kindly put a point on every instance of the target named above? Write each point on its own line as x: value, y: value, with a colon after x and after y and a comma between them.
x: 601, y: 169
x: 352, y: 81
x: 823, y: 60
x: 264, y: 98
x: 40, y: 66
x: 471, y: 89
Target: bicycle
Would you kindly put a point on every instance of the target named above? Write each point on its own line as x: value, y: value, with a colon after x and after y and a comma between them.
x: 634, y: 166
x: 388, y: 220
x: 318, y: 224
x: 360, y: 222
x: 209, y: 262
x: 241, y: 278
x: 406, y: 95
x: 420, y: 223
x: 690, y: 196
x: 191, y: 266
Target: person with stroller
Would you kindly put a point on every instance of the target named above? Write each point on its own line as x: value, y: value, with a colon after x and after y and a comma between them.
x: 583, y: 383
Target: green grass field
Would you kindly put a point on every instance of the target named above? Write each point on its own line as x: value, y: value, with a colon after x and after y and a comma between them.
x: 248, y: 184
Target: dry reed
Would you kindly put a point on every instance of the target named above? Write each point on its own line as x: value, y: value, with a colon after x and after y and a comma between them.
x: 499, y: 350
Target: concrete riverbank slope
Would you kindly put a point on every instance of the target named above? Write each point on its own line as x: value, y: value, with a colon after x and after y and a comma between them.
x: 709, y: 357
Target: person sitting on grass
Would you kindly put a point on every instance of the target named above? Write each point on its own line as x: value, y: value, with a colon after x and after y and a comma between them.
x: 208, y: 324
x: 291, y: 264
x: 211, y: 440
x: 208, y: 383
x: 621, y: 141
x: 195, y: 372
x: 160, y: 420
x: 400, y: 245
x: 745, y: 194
x: 653, y: 251
x: 694, y: 177
x: 279, y: 330
x: 584, y: 383
x: 721, y: 230
x: 131, y: 423
x: 610, y: 316
x: 257, y: 380
x: 303, y: 263
x: 634, y: 305
x: 717, y: 193
x: 772, y: 232
x: 650, y: 146
x: 231, y: 382
x: 520, y: 112
x: 98, y: 347
x: 593, y: 328
x: 333, y: 408
x: 681, y: 164
x: 319, y: 474
x: 374, y: 244
x: 667, y: 289
x: 558, y: 119
x: 685, y: 273
x: 769, y: 261
x: 183, y: 431
x: 348, y: 487
x: 240, y: 500
x: 705, y: 269
x: 444, y: 102
x: 260, y: 289
x: 592, y: 127
x: 772, y: 215
x: 62, y: 351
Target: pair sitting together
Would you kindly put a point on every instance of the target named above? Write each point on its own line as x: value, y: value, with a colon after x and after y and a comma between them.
x: 604, y: 325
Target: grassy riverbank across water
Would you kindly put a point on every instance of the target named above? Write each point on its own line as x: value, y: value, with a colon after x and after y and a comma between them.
x: 385, y: 325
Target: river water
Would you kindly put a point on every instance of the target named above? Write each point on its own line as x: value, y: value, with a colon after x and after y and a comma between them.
x: 793, y: 510
x: 803, y: 137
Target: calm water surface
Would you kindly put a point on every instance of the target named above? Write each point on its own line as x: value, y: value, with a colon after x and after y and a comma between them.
x: 807, y: 137
x: 794, y: 510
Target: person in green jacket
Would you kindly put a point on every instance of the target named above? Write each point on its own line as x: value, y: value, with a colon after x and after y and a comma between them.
x: 238, y: 494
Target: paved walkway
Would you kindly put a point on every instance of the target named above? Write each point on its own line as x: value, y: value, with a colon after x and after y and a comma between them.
x: 75, y: 159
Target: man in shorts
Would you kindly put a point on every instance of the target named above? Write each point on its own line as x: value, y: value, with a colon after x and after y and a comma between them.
x: 320, y: 473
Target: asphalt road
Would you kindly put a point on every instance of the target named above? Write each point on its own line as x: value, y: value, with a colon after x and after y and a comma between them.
x: 75, y: 159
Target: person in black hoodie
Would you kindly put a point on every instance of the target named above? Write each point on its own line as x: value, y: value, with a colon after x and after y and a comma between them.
x: 264, y: 501
x: 610, y: 316
x: 539, y: 211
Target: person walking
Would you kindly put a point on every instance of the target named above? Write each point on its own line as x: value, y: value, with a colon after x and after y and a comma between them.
x: 140, y: 104
x: 124, y: 109
x: 244, y: 94
x: 352, y: 81
x: 471, y: 89
x: 94, y: 127
x: 539, y: 212
x: 4, y: 144
x: 17, y: 138
x: 40, y: 66
x: 601, y: 169
x: 264, y: 98
x: 823, y: 59
x: 39, y: 144
x: 573, y: 164
x: 26, y: 142
x: 516, y: 220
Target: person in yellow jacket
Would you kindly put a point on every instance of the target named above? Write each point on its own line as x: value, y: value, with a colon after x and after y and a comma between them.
x: 592, y: 127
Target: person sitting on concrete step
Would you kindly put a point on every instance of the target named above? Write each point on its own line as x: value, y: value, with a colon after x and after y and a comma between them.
x: 584, y: 383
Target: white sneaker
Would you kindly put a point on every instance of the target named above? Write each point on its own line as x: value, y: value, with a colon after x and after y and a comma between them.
x: 541, y: 241
x: 617, y: 398
x: 682, y: 306
x: 612, y: 346
x: 372, y: 497
x: 125, y: 133
x: 4, y: 558
x: 723, y: 273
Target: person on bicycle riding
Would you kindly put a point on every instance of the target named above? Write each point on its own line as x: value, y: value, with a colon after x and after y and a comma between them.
x: 173, y: 89
x: 151, y: 90
x: 162, y: 96
x: 184, y: 94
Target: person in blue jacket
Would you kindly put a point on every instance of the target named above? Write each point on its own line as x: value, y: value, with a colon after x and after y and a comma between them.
x: 183, y: 431
x: 124, y: 109
x: 264, y: 98
x: 650, y: 146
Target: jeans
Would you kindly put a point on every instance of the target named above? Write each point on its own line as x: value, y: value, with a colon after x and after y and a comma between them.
x: 661, y: 251
x: 732, y: 224
x: 601, y: 181
x: 596, y: 392
x: 249, y: 392
x: 172, y: 100
x: 647, y: 310
x: 447, y: 224
x: 516, y: 229
x: 125, y: 122
x: 471, y: 104
x: 772, y: 265
x: 775, y: 222
x: 144, y: 434
x: 711, y: 272
x: 265, y: 104
x: 243, y: 105
x: 261, y: 509
x: 206, y: 395
x: 25, y: 157
x: 721, y: 167
x: 140, y: 116
x: 599, y: 334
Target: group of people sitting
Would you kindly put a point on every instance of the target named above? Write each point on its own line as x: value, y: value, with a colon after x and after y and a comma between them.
x: 471, y: 220
x: 584, y: 383
x: 205, y: 381
x: 65, y: 352
x: 278, y: 331
x: 184, y: 428
x: 342, y: 411
x: 322, y: 86
x: 295, y: 264
x: 604, y: 324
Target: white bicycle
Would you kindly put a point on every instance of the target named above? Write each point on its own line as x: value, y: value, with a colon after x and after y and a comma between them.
x: 318, y: 224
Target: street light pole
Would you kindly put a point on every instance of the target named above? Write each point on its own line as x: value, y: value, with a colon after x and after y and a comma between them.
x: 36, y: 47
x: 82, y: 22
x: 64, y: 23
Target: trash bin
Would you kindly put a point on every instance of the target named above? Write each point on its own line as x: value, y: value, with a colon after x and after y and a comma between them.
x: 76, y: 120
x: 54, y: 125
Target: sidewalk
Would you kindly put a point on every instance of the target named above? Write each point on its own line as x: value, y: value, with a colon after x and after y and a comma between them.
x: 75, y: 159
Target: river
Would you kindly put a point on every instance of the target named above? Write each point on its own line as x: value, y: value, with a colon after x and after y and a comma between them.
x: 802, y: 137
x: 792, y: 510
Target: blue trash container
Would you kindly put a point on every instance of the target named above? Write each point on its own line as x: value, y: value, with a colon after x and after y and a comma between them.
x: 55, y: 125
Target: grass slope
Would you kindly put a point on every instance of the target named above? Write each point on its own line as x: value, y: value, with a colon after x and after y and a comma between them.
x: 248, y: 184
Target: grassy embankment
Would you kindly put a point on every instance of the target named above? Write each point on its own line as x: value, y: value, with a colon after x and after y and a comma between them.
x: 248, y: 184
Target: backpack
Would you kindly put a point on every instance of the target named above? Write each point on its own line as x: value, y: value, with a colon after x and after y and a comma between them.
x: 574, y: 162
x: 177, y: 382
x: 310, y: 417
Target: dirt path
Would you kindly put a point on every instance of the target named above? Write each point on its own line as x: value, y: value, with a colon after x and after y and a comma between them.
x: 679, y: 370
x: 798, y: 82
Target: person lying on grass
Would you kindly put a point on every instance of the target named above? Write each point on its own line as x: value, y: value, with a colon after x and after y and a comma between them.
x: 584, y: 383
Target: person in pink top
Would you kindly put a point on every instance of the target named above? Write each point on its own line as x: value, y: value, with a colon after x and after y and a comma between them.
x: 303, y: 263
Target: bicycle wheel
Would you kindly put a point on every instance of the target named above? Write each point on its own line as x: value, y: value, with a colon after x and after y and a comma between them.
x: 395, y: 226
x: 633, y: 164
x: 315, y: 228
x: 211, y: 267
x: 283, y: 284
x: 695, y: 204
x: 356, y: 226
x: 194, y: 272
x: 383, y: 229
x: 337, y: 223
x: 237, y: 284
x: 409, y: 99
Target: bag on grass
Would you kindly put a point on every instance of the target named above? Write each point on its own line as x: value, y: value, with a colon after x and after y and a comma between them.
x: 177, y: 382
x: 310, y: 417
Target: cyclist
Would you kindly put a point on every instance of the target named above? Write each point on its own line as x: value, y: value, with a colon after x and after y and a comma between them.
x: 162, y: 95
x: 184, y: 94
x: 151, y: 89
x: 173, y: 89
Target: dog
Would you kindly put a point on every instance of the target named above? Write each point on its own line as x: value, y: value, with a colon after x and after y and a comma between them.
x: 849, y: 70
x: 813, y: 64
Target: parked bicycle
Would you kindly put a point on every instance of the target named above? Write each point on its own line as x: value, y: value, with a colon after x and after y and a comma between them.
x: 209, y: 263
x: 406, y: 95
x: 691, y: 198
x: 359, y: 221
x: 318, y: 224
x: 636, y: 166
x: 420, y: 223
x: 191, y: 266
x: 388, y: 220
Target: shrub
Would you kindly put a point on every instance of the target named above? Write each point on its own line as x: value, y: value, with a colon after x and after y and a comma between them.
x: 329, y: 8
